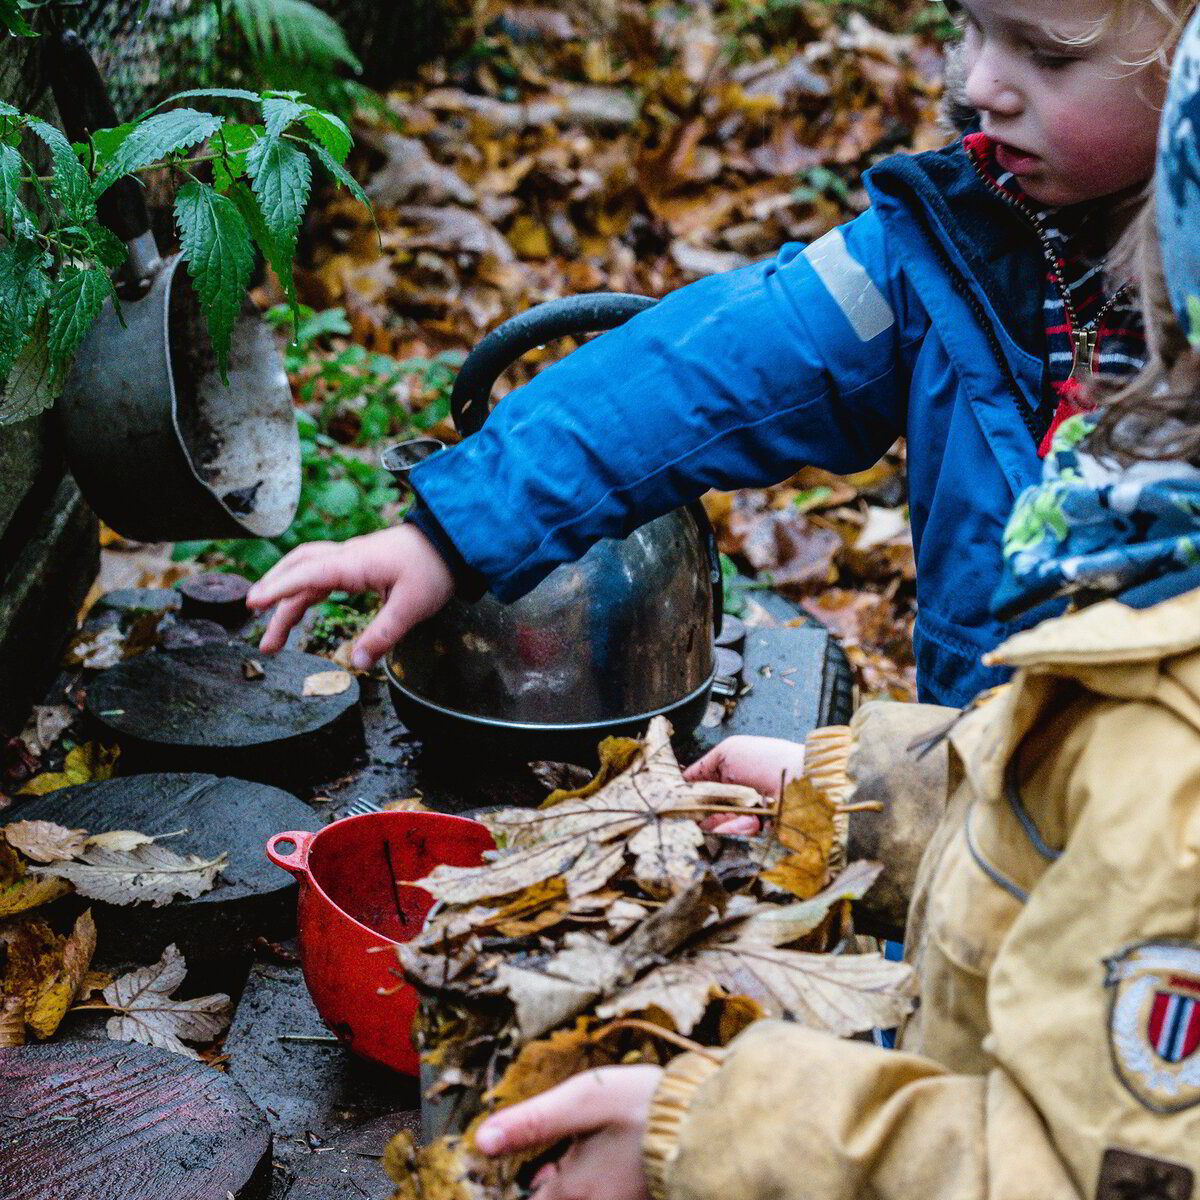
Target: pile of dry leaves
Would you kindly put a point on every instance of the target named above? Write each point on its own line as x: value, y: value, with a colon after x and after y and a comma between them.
x: 610, y: 927
x: 44, y: 974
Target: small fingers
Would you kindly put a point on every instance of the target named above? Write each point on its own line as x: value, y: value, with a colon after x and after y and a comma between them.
x: 743, y: 826
x: 580, y: 1105
x: 708, y: 768
x: 286, y: 615
x: 404, y: 607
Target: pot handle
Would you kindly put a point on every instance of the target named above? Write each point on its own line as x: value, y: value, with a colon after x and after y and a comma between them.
x: 591, y: 312
x: 84, y: 106
x: 294, y: 861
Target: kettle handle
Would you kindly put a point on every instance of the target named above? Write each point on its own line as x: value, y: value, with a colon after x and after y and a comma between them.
x: 591, y: 312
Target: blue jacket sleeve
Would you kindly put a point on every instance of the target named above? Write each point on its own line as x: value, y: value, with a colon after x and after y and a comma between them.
x: 735, y: 381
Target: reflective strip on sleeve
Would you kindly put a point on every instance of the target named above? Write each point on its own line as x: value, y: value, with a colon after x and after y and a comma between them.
x: 862, y: 303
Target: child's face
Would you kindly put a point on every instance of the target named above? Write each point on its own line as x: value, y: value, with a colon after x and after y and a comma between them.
x: 1074, y: 122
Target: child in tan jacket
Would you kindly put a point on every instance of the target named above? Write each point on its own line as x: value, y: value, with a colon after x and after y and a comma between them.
x: 1055, y: 917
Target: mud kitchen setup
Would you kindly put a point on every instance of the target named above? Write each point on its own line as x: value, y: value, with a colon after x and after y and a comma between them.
x: 227, y: 750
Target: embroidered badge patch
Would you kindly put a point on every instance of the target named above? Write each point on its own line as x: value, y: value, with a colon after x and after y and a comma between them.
x: 1154, y: 1023
x: 1128, y: 1176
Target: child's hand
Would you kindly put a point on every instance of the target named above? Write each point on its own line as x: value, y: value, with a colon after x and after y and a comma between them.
x: 605, y: 1111
x: 757, y: 762
x: 400, y: 564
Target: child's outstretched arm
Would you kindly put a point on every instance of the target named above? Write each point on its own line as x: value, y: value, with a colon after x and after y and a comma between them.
x: 400, y: 564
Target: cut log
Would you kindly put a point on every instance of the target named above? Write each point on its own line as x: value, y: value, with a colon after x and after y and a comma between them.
x: 114, y: 1121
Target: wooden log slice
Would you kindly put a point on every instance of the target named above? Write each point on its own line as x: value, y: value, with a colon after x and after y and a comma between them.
x: 196, y: 709
x: 230, y: 816
x: 117, y: 1121
x: 350, y: 1165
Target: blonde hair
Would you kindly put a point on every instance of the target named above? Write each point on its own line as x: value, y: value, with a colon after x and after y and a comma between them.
x: 1157, y: 415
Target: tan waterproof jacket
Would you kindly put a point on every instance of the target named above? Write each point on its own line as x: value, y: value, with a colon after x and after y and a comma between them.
x: 1055, y: 929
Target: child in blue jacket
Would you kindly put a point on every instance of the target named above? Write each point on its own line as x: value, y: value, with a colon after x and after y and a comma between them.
x: 963, y: 310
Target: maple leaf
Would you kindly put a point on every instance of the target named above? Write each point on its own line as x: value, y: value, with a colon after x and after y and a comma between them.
x: 59, y: 990
x: 147, y: 1012
x: 83, y: 765
x: 44, y: 841
x: 148, y: 872
x: 806, y: 829
x: 583, y: 840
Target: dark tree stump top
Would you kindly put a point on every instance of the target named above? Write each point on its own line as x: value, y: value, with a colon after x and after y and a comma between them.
x: 349, y: 1166
x: 116, y: 1121
x: 219, y: 815
x: 199, y: 696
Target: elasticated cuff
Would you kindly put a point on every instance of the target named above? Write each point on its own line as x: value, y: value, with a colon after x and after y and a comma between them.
x: 680, y: 1082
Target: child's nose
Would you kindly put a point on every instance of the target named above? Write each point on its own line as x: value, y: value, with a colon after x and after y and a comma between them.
x: 990, y: 86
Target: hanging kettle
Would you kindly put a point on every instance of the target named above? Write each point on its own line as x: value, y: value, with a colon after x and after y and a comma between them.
x: 600, y: 645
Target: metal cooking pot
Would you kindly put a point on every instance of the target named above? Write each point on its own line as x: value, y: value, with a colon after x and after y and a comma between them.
x: 161, y: 448
x: 600, y: 645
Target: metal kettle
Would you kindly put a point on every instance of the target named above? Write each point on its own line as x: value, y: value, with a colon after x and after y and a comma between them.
x: 601, y: 645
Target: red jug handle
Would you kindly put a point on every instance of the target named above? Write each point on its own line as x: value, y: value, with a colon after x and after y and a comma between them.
x: 295, y: 860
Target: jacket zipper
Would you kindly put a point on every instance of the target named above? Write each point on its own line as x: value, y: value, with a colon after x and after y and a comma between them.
x: 1083, y: 340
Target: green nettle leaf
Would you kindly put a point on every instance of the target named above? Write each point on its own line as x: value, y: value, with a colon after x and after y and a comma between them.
x: 7, y: 110
x: 104, y: 246
x: 24, y: 288
x: 10, y: 186
x: 216, y: 93
x: 279, y: 112
x: 106, y: 142
x: 216, y: 245
x: 70, y: 182
x: 342, y: 176
x: 75, y: 301
x: 281, y: 177
x: 236, y: 140
x: 331, y: 131
x: 158, y: 136
x: 13, y: 19
x: 27, y: 390
x: 281, y: 262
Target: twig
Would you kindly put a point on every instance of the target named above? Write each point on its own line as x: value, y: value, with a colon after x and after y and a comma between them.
x: 387, y: 854
x: 322, y: 1038
x: 861, y: 806
x: 675, y: 1039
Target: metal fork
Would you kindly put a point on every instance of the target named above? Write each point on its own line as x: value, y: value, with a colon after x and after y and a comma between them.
x: 360, y: 808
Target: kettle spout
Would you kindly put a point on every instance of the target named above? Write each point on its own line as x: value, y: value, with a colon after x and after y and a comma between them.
x: 399, y: 460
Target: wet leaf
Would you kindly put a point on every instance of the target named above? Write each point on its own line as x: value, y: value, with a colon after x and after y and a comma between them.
x: 59, y: 990
x: 44, y: 841
x: 147, y: 873
x: 84, y: 764
x: 327, y: 683
x: 148, y: 1013
x: 806, y: 830
x: 30, y: 893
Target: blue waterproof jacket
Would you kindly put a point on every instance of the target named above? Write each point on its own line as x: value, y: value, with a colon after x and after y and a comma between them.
x: 922, y: 317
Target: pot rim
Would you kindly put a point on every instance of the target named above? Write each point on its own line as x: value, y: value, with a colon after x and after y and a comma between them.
x: 540, y: 727
x: 311, y: 879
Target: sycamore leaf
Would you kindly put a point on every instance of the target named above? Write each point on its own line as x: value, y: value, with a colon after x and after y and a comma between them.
x: 446, y: 1169
x: 119, y: 839
x: 581, y: 839
x: 326, y: 683
x: 780, y: 925
x: 840, y: 994
x: 30, y: 893
x: 149, y: 873
x: 536, y: 908
x: 59, y: 990
x: 807, y: 830
x: 216, y: 245
x: 545, y: 1063
x: 12, y: 1022
x: 32, y: 953
x: 667, y: 856
x: 44, y: 841
x: 76, y: 299
x: 70, y: 183
x: 148, y: 1014
x: 155, y: 138
x: 616, y: 754
x: 84, y: 764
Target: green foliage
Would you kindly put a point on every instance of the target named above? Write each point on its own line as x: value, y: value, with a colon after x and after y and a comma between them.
x: 352, y: 386
x: 55, y: 256
x: 292, y: 29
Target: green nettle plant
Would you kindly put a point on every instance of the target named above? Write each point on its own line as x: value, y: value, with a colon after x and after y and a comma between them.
x: 241, y: 185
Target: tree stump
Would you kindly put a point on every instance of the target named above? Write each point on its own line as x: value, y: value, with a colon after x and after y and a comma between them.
x: 117, y: 1121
